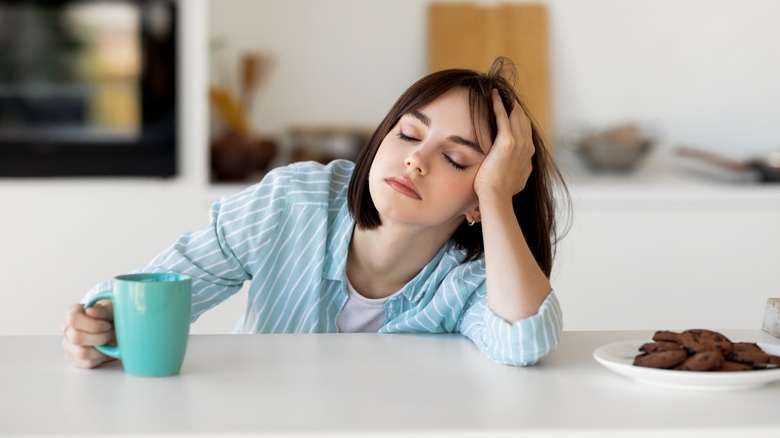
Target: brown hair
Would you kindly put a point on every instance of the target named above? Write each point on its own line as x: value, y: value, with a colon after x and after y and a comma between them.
x: 534, y: 206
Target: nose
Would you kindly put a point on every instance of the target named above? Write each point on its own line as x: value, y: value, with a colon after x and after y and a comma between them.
x: 416, y: 162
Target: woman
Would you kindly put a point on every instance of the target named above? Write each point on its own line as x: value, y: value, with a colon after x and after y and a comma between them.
x: 445, y: 223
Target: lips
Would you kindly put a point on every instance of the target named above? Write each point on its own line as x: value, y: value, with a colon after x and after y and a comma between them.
x: 404, y: 186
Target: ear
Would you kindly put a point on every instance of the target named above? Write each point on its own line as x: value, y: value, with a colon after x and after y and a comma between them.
x: 473, y: 215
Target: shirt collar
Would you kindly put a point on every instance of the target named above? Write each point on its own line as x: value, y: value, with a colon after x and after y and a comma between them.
x: 339, y: 236
x: 414, y: 290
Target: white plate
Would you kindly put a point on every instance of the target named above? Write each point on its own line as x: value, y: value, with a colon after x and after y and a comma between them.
x: 619, y: 358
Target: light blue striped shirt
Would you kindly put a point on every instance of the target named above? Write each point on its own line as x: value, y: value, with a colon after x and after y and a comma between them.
x: 289, y: 235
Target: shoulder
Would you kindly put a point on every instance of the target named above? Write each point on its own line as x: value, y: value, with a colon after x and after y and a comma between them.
x: 313, y: 176
x: 467, y: 275
x: 315, y: 182
x: 301, y: 188
x: 297, y: 182
x: 312, y: 171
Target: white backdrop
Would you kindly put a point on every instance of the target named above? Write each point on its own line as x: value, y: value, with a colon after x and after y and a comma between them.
x: 704, y: 72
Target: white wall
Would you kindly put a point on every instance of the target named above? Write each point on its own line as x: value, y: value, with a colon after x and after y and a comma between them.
x: 60, y: 236
x: 703, y: 72
x: 669, y: 257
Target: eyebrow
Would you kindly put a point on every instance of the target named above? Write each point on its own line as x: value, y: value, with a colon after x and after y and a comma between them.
x: 417, y: 114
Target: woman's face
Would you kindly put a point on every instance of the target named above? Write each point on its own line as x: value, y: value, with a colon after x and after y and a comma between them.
x: 423, y: 172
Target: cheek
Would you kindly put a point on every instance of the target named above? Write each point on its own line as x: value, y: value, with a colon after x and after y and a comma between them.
x: 470, y: 196
x: 382, y: 154
x: 471, y: 200
x: 377, y: 169
x: 460, y: 193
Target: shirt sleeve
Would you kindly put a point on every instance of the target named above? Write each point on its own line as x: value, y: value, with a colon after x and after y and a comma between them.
x: 521, y: 343
x: 215, y: 256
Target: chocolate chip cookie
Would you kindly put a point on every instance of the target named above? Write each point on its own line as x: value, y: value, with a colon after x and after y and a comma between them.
x: 703, y: 361
x: 661, y: 359
x: 700, y: 340
x: 653, y: 347
x: 702, y: 350
x: 666, y: 336
x: 734, y: 366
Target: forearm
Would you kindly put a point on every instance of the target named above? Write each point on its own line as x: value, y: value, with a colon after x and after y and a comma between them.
x: 516, y: 286
x: 521, y: 343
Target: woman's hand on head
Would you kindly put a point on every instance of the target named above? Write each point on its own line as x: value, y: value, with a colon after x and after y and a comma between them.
x: 85, y: 329
x: 508, y: 164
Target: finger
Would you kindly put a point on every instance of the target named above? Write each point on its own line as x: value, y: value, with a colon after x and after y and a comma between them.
x: 87, y: 339
x: 520, y: 122
x: 521, y: 127
x: 502, y: 119
x: 103, y: 309
x: 77, y: 319
x: 83, y: 357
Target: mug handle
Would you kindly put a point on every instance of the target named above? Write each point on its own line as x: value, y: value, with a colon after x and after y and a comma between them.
x: 108, y: 350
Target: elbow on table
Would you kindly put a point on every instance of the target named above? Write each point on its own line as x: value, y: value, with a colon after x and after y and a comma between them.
x: 520, y: 357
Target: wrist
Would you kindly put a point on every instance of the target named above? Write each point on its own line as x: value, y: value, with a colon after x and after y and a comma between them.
x: 493, y: 198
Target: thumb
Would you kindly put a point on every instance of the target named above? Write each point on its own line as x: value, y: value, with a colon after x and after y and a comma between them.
x: 103, y: 309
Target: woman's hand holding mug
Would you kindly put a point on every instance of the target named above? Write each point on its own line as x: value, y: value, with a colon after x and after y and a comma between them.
x: 84, y: 330
x: 148, y: 314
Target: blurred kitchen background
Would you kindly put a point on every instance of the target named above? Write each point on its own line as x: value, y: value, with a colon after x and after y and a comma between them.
x: 662, y: 115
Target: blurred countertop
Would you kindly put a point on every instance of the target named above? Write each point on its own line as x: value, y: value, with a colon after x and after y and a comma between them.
x: 663, y: 176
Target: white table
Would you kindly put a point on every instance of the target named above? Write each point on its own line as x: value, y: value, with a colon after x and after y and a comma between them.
x: 366, y: 384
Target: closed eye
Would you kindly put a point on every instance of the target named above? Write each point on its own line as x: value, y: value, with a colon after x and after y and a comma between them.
x: 454, y: 164
x: 405, y: 137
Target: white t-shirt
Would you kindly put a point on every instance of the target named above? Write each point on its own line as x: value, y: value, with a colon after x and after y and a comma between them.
x: 361, y: 314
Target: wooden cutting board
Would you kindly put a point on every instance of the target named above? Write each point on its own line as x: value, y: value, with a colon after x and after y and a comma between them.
x: 462, y: 35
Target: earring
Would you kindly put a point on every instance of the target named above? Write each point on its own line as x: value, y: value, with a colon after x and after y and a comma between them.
x: 472, y: 222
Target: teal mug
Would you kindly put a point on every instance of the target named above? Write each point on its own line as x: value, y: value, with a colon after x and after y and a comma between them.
x: 151, y: 320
